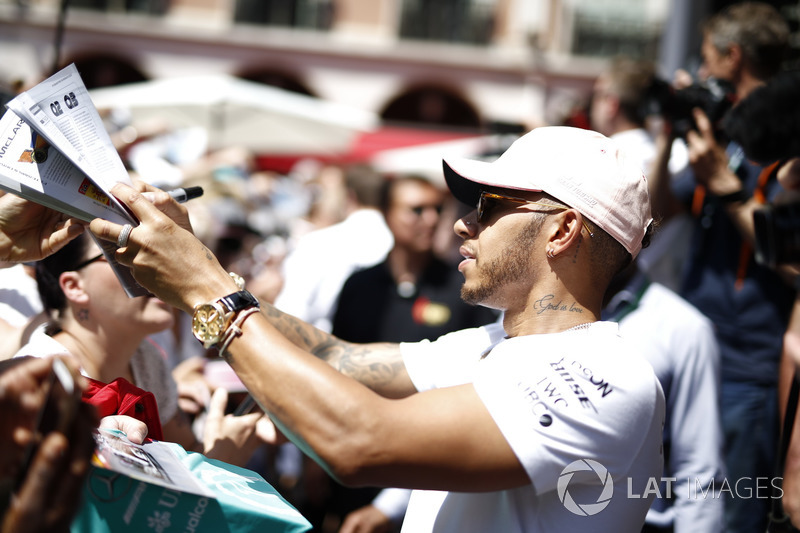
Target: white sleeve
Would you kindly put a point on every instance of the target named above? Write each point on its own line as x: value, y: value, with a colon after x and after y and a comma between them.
x: 449, y: 360
x: 682, y: 348
x: 695, y: 434
x: 554, y: 409
x: 393, y: 503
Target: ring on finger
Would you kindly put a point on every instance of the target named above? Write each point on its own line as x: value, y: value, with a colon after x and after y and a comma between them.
x: 124, y: 235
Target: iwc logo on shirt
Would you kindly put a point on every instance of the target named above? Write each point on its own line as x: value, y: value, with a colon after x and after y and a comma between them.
x: 585, y: 509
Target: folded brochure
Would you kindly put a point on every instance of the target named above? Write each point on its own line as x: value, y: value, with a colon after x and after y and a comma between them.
x: 55, y: 151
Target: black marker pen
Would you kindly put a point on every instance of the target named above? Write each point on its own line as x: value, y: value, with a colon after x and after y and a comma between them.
x: 184, y: 194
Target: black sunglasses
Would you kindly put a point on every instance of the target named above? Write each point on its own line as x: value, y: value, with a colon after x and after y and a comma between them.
x: 88, y: 262
x: 488, y: 201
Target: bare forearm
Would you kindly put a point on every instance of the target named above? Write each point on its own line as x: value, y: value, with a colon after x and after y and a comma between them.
x: 379, y: 366
x: 316, y: 407
x: 363, y: 439
x: 300, y: 333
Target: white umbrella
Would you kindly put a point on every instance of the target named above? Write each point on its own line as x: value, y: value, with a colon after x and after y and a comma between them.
x: 239, y: 113
x: 426, y: 159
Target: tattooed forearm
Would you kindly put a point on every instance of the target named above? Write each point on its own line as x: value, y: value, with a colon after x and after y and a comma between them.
x: 379, y: 366
x: 298, y: 332
x: 374, y: 365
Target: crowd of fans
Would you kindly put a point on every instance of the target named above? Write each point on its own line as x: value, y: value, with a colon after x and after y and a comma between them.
x: 371, y: 257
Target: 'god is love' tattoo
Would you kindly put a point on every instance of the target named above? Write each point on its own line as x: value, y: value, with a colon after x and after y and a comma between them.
x: 546, y: 303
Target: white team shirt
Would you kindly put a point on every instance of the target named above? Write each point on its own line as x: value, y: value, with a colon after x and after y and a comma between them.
x: 582, y: 412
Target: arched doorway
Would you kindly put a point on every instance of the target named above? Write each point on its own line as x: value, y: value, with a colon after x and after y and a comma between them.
x: 432, y: 105
x: 277, y: 78
x: 106, y: 70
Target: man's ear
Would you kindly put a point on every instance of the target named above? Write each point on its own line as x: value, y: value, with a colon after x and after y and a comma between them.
x: 734, y: 57
x: 567, y: 232
x: 71, y: 285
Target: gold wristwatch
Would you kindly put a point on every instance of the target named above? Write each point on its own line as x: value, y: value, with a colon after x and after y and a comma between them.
x: 210, y: 320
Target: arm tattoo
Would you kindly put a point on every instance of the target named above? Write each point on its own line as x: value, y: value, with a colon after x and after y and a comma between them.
x: 374, y: 365
x: 302, y: 334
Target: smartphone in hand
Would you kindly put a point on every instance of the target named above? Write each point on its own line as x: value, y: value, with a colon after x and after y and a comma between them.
x: 246, y: 406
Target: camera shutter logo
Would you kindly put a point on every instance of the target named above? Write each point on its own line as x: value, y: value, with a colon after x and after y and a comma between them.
x: 585, y: 509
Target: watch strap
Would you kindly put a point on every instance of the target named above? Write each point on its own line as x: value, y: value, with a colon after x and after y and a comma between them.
x: 238, y: 301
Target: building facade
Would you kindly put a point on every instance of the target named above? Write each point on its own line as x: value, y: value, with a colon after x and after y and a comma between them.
x: 455, y: 63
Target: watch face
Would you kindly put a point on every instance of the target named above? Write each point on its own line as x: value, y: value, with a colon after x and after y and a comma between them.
x: 208, y: 323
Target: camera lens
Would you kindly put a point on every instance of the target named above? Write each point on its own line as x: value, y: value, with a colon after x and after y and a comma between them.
x: 777, y: 232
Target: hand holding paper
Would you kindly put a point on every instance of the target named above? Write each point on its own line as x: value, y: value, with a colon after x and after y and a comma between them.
x: 57, y: 153
x: 29, y: 231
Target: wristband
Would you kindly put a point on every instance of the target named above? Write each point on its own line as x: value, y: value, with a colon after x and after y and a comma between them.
x: 734, y: 197
x: 235, y: 329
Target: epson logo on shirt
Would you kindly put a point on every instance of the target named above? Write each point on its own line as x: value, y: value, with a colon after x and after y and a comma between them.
x: 553, y: 391
x: 600, y: 384
x: 573, y: 386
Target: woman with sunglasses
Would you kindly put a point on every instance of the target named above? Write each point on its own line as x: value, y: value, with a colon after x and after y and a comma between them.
x: 95, y: 322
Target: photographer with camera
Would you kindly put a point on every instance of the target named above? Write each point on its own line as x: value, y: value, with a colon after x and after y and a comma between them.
x: 766, y: 125
x: 625, y: 99
x: 748, y: 303
x: 674, y: 337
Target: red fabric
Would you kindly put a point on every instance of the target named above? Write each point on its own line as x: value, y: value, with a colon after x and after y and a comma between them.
x: 366, y: 146
x: 120, y: 397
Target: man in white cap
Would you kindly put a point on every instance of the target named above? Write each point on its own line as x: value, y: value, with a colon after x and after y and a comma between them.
x: 548, y: 422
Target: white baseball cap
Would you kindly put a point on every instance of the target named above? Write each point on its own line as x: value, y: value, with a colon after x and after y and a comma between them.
x: 583, y: 169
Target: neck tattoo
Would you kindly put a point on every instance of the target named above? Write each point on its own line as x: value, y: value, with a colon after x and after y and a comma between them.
x: 548, y: 303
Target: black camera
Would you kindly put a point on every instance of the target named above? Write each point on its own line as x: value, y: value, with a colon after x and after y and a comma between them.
x: 713, y: 96
x: 777, y: 228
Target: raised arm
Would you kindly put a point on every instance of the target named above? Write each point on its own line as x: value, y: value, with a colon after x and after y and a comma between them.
x: 442, y: 439
x: 710, y: 164
x: 379, y: 366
